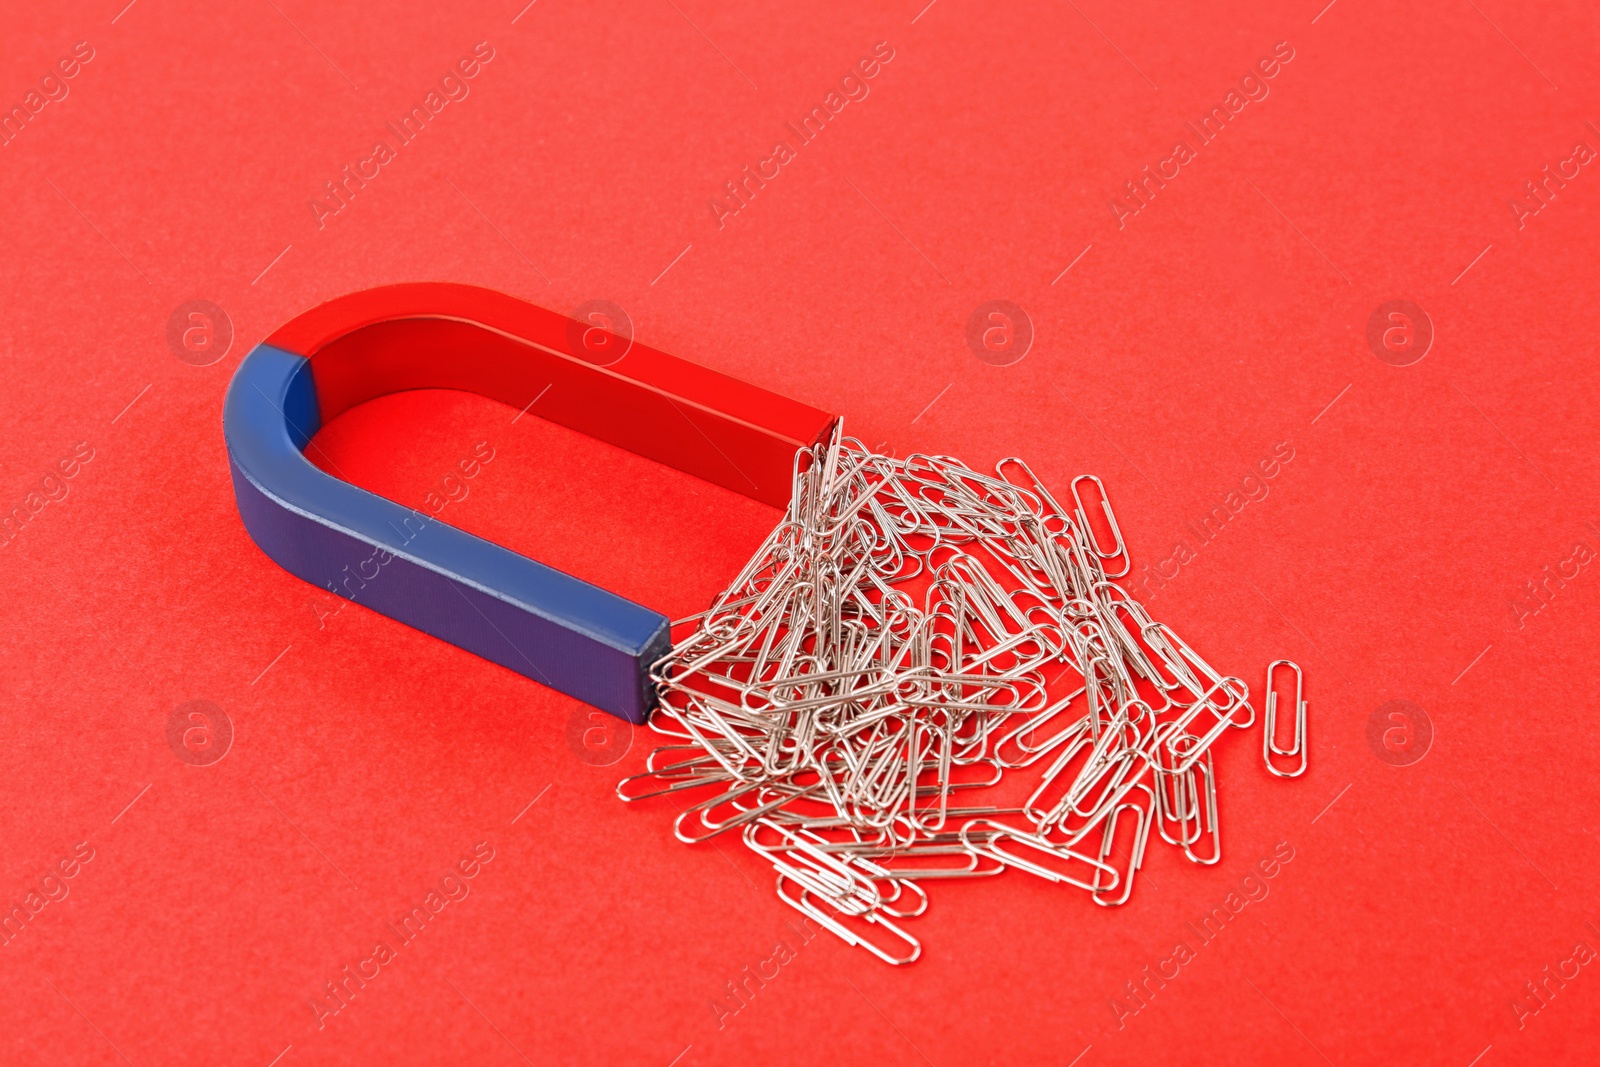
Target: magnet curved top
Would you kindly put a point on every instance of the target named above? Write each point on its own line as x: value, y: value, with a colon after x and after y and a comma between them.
x: 503, y: 606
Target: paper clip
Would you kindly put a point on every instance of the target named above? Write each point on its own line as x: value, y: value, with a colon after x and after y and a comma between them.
x: 1143, y: 817
x: 998, y: 832
x: 1119, y: 549
x: 1269, y: 742
x: 838, y: 928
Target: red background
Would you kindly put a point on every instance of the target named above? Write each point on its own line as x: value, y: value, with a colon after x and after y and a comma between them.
x: 1223, y: 318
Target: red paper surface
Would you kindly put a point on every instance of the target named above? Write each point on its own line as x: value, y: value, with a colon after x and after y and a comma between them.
x: 1223, y: 324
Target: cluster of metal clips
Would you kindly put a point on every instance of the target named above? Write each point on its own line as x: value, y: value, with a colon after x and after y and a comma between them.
x: 911, y: 631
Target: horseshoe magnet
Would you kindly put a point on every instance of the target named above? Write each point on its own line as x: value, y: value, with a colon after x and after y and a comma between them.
x: 487, y: 599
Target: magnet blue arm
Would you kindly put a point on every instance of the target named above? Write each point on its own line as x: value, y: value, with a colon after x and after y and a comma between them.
x: 505, y: 607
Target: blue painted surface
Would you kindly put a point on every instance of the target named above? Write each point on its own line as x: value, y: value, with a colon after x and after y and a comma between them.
x: 538, y: 621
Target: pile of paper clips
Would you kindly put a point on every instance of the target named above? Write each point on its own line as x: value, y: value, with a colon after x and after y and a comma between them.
x: 900, y: 640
